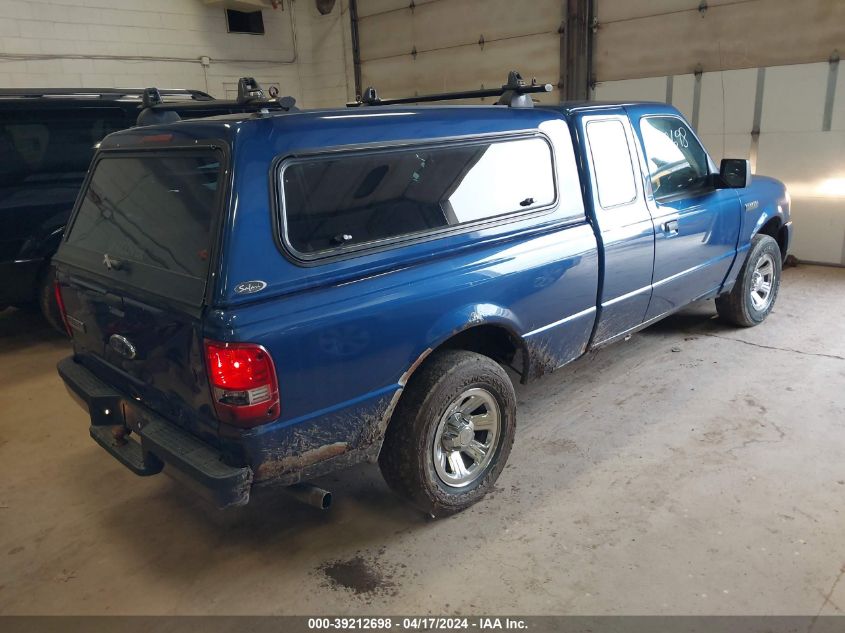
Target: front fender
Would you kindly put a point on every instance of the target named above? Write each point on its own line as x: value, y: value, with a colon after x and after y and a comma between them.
x: 764, y: 200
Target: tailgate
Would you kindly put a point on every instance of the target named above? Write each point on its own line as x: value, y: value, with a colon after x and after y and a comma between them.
x: 133, y: 270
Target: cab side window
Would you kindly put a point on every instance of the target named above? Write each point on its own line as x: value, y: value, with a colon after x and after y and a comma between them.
x: 611, y: 158
x: 677, y: 163
x: 353, y: 199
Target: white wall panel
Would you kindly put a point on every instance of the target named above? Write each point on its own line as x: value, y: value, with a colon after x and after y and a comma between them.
x: 819, y: 227
x: 683, y: 88
x: 793, y: 100
x: 650, y: 89
x: 727, y: 101
x: 812, y: 164
x: 785, y: 154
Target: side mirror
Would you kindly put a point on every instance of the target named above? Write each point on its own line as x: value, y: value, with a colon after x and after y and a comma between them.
x: 735, y: 173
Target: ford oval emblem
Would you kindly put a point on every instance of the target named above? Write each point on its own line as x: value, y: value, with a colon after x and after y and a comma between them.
x: 122, y: 346
x: 249, y: 287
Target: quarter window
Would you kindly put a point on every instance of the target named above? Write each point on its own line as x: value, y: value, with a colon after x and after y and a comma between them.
x: 611, y: 158
x: 677, y: 163
x: 337, y: 201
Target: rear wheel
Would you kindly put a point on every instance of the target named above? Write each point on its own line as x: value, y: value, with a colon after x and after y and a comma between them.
x: 451, y: 433
x: 756, y: 289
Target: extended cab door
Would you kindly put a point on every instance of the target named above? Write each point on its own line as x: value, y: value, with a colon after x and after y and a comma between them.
x: 625, y: 228
x: 696, y: 225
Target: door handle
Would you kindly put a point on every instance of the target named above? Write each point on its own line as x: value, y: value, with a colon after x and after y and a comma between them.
x: 670, y: 227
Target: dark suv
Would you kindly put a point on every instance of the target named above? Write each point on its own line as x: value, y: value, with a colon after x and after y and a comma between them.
x: 47, y: 140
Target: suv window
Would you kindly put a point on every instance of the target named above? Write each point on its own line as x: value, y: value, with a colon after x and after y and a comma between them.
x: 47, y: 145
x: 611, y: 158
x: 156, y: 211
x: 676, y: 161
x: 350, y: 199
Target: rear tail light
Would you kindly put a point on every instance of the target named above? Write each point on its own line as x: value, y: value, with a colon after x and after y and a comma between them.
x: 243, y: 383
x: 61, y: 305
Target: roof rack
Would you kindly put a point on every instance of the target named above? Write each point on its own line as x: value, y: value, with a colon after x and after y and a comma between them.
x: 100, y: 93
x: 250, y: 98
x: 513, y: 94
x: 249, y: 90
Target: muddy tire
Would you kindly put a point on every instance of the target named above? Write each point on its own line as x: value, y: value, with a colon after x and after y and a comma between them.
x: 47, y: 299
x: 756, y: 289
x: 451, y: 433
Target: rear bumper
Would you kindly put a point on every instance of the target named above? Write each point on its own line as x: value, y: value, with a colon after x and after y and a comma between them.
x: 160, y: 444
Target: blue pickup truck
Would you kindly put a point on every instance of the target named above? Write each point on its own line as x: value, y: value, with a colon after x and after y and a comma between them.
x: 262, y: 299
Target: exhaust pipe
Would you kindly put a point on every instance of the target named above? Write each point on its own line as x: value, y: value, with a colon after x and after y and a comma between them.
x: 310, y: 494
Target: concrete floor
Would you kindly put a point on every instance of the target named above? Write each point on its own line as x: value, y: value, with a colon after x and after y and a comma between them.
x: 695, y: 469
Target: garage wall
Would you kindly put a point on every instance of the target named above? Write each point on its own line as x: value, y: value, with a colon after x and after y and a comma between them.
x: 648, y: 38
x: 126, y: 43
x: 434, y: 46
x: 651, y: 49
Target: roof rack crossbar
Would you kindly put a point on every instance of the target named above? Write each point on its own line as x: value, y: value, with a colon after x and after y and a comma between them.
x: 513, y: 93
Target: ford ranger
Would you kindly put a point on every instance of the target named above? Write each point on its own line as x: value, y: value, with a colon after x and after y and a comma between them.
x: 261, y: 299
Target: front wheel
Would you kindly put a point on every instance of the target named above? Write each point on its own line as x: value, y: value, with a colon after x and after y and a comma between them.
x: 756, y: 289
x: 451, y: 433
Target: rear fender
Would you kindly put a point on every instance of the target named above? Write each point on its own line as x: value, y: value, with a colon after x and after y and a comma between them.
x: 473, y: 315
x: 442, y: 331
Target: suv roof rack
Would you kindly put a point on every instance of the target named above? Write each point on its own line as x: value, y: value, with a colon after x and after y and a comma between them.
x: 100, y: 93
x: 513, y: 94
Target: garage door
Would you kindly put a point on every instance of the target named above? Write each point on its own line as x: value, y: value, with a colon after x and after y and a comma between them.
x: 429, y: 46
